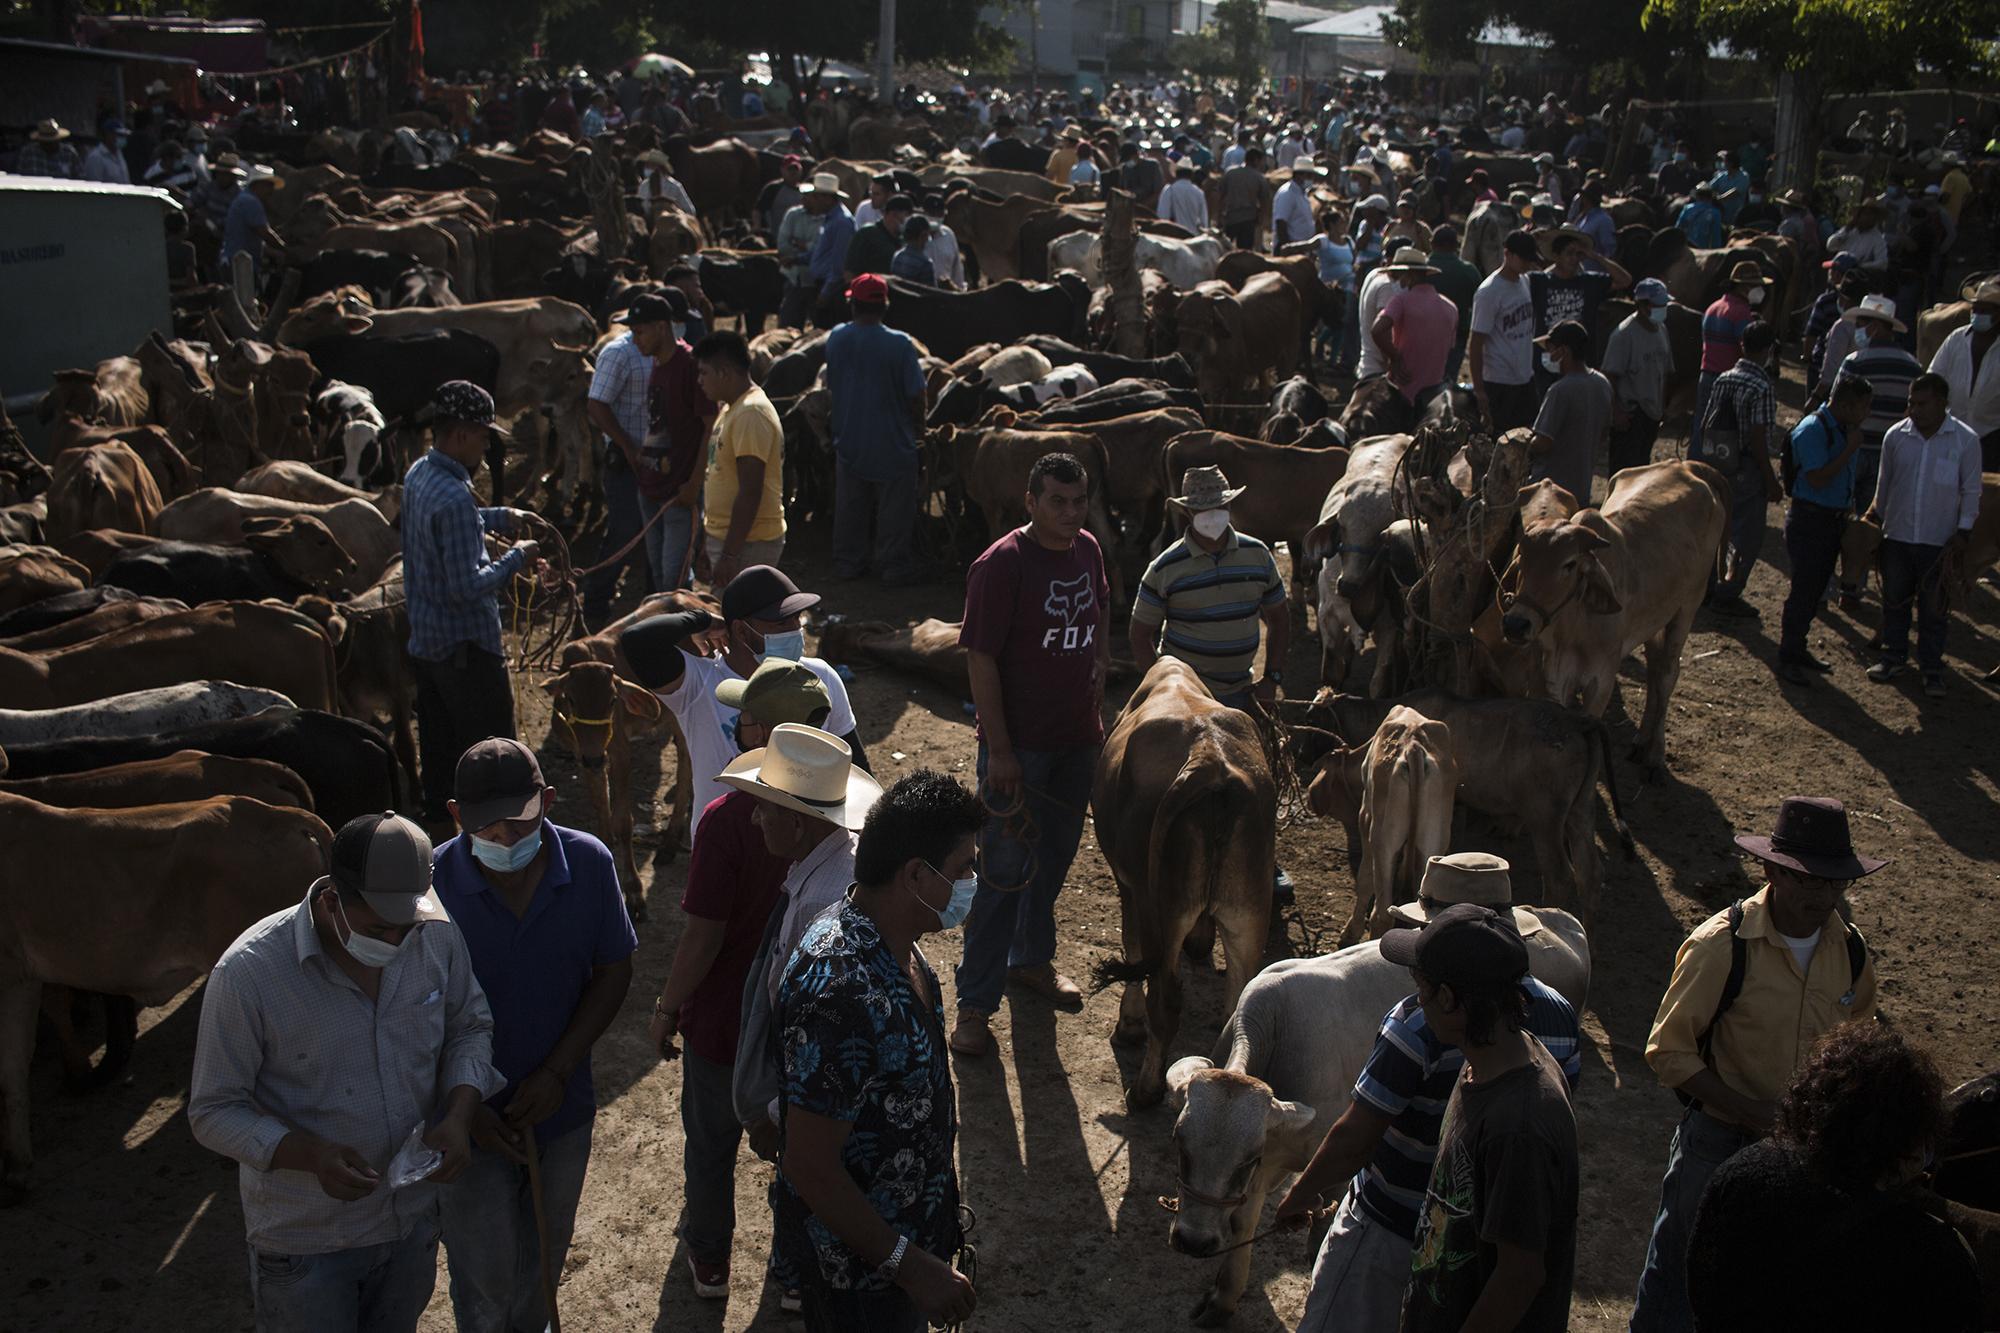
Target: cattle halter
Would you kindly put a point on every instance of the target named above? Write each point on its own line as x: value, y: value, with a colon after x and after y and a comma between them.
x: 1173, y: 1205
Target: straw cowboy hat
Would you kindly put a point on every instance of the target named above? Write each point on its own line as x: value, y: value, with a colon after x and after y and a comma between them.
x: 807, y: 770
x: 261, y: 175
x: 654, y: 157
x: 823, y: 182
x: 50, y: 132
x: 1205, y: 488
x: 1411, y: 266
x: 1465, y: 877
x: 1875, y: 307
x: 1811, y: 837
x: 1793, y: 198
x: 1746, y: 270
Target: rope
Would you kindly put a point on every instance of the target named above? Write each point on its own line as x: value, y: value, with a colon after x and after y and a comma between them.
x: 1947, y: 571
x: 309, y: 64
x: 966, y: 1260
x: 1173, y: 1205
x: 626, y: 549
x: 1018, y: 825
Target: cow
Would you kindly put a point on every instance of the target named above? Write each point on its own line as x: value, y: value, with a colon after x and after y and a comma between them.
x: 1186, y: 814
x: 746, y: 283
x: 1283, y: 1070
x: 113, y: 393
x: 1235, y: 338
x: 989, y: 466
x: 57, y: 609
x: 247, y: 642
x: 964, y: 401
x: 136, y: 902
x: 347, y: 765
x: 22, y: 523
x: 320, y: 225
x: 950, y: 323
x: 274, y: 386
x: 222, y: 517
x: 929, y: 649
x: 370, y: 634
x: 138, y: 713
x: 101, y: 486
x: 722, y: 179
x: 1861, y: 542
x: 283, y: 558
x: 1297, y: 403
x: 992, y: 231
x: 290, y: 479
x: 1319, y: 302
x: 111, y: 615
x: 30, y: 573
x: 1173, y: 370
x: 1282, y: 481
x: 1120, y: 398
x: 184, y: 775
x: 1182, y: 263
x: 1343, y: 553
x: 1136, y: 485
x: 347, y: 415
x: 1405, y: 779
x: 1594, y: 588
x: 170, y: 469
x: 375, y: 271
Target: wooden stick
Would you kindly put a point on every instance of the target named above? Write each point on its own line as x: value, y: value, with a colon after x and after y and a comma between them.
x: 541, y: 1229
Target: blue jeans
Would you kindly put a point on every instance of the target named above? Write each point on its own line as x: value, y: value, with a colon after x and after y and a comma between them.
x: 891, y: 506
x: 1747, y: 514
x: 1703, y: 386
x: 1910, y: 583
x: 621, y: 524
x: 1701, y: 1144
x: 489, y: 1234
x: 1017, y: 928
x: 370, y: 1289
x: 668, y: 544
x: 712, y: 1135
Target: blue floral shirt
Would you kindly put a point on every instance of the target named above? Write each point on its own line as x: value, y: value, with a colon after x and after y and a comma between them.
x: 859, y: 1045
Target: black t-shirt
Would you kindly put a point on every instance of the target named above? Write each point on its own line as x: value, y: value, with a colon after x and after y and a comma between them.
x: 1774, y: 1247
x: 1558, y: 299
x: 1505, y: 1173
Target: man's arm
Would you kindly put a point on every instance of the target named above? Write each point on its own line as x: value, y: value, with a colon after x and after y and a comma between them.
x: 653, y: 647
x: 701, y: 944
x: 1620, y: 279
x: 1687, y: 1009
x: 1277, y: 618
x: 540, y: 1094
x: 1759, y: 438
x: 1383, y: 331
x: 742, y: 516
x: 1516, y: 1279
x: 1349, y: 1143
x: 1144, y: 640
x: 1475, y: 368
x: 466, y: 572
x: 1820, y: 476
x: 1970, y: 485
x: 1003, y: 770
x: 606, y: 421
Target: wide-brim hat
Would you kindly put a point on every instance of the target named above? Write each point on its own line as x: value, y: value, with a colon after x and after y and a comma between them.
x: 807, y: 770
x: 1305, y: 165
x: 1793, y: 198
x: 1812, y: 838
x: 1466, y: 877
x: 1549, y: 238
x: 1411, y: 266
x: 1747, y: 270
x: 654, y: 157
x: 1875, y: 306
x: 823, y: 182
x: 48, y: 131
x: 1205, y: 488
x: 1983, y: 288
x: 263, y: 176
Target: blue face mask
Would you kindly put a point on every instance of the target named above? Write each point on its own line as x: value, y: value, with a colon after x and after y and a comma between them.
x: 1862, y: 339
x: 953, y: 913
x: 790, y: 646
x: 495, y: 856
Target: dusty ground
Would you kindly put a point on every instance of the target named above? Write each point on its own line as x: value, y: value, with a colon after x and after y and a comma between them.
x: 133, y: 1225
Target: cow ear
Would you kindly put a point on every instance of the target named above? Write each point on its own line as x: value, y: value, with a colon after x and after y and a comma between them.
x: 1588, y: 539
x: 553, y: 686
x: 1599, y: 597
x: 1182, y: 1073
x: 1288, y: 1118
x: 638, y: 700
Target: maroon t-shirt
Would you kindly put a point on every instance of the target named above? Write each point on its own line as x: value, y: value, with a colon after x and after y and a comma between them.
x: 678, y: 410
x: 732, y: 878
x: 1041, y: 615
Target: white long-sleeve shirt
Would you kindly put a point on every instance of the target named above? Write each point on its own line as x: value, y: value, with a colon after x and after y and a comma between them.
x: 1928, y: 490
x: 1183, y: 202
x: 1975, y: 395
x: 1294, y: 210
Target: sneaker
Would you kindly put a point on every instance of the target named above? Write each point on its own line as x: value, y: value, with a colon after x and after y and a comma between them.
x: 1282, y: 893
x: 1884, y: 672
x: 1048, y: 983
x: 1819, y: 664
x: 792, y: 1300
x: 1934, y: 687
x: 971, y: 1035
x: 711, y: 1280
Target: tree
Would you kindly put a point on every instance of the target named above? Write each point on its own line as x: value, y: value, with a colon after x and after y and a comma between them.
x: 1587, y: 33
x: 1240, y: 28
x: 796, y: 30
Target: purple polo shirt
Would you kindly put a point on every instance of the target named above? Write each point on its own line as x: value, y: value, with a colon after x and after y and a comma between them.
x: 534, y: 968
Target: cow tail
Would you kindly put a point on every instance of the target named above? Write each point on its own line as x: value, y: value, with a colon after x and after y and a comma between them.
x: 1189, y: 786
x: 1603, y: 737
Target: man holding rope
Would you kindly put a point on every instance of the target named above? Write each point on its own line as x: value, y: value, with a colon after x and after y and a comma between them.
x: 618, y: 410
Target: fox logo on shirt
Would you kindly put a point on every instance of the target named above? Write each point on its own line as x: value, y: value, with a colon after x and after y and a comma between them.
x: 1069, y: 600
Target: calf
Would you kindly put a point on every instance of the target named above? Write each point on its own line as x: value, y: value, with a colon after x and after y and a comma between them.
x: 989, y: 467
x: 171, y: 471
x: 1234, y: 339
x: 369, y: 633
x: 1407, y: 776
x: 222, y: 517
x: 138, y: 713
x: 128, y: 610
x: 282, y: 558
x: 1186, y: 814
x: 347, y: 415
x: 1283, y: 1070
x: 929, y: 649
x: 101, y: 486
x: 290, y: 479
x: 745, y: 283
x: 1344, y: 554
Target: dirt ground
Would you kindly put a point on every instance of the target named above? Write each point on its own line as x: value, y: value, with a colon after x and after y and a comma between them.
x: 133, y: 1224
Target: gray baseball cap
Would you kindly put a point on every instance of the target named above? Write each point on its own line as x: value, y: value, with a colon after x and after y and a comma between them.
x: 387, y: 860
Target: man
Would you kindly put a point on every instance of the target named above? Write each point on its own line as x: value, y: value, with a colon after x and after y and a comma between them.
x: 658, y: 186
x: 1927, y: 501
x: 1496, y: 1237
x: 297, y: 1078
x: 463, y: 694
x: 1407, y: 224
x: 1730, y: 1051
x: 734, y: 880
x: 875, y: 245
x: 1594, y: 222
x: 1140, y: 174
x: 867, y: 1194
x: 1363, y: 1263
x: 1731, y: 184
x: 1237, y: 154
x: 798, y: 232
x: 1973, y: 378
x: 1457, y: 281
x: 105, y: 162
x: 1202, y: 597
x: 1638, y: 361
x: 1246, y: 193
x: 1722, y: 328
x: 869, y: 211
x: 247, y: 226
x: 827, y: 263
x: 1880, y: 360
x: 1575, y: 418
x: 780, y: 196
x: 1183, y: 201
x: 877, y: 388
x: 1064, y: 156
x: 1700, y: 220
x: 1037, y: 637
x: 942, y: 246
x: 1736, y: 435
x: 912, y: 263
x: 1825, y: 447
x: 1415, y: 330
x: 1567, y: 290
x: 1501, y: 351
x: 174, y: 169
x: 679, y: 418
x: 743, y: 498
x: 1843, y: 291
x: 47, y: 153
x: 1677, y: 173
x: 763, y: 614
x: 545, y: 925
x: 1376, y: 288
x: 618, y: 409
x: 1291, y: 208
x: 560, y: 114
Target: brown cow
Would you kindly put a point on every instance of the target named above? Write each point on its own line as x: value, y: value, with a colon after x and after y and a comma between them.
x: 1861, y: 543
x: 184, y: 775
x: 94, y: 624
x: 370, y: 633
x: 172, y: 472
x: 1316, y: 299
x: 290, y: 479
x: 112, y: 394
x: 215, y: 515
x: 1134, y: 447
x: 96, y: 549
x: 1402, y: 786
x: 722, y: 178
x: 929, y: 649
x: 989, y: 466
x: 249, y: 643
x: 101, y: 486
x: 1286, y: 485
x: 992, y: 231
x: 321, y: 226
x: 136, y: 902
x: 30, y: 573
x: 270, y: 390
x: 1237, y: 340
x: 1186, y: 814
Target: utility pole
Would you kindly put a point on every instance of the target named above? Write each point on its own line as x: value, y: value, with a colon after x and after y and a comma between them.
x: 885, y: 53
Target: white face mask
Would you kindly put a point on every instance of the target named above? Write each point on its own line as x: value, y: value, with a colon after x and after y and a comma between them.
x: 1755, y: 296
x: 364, y: 949
x: 1550, y: 364
x: 1982, y: 322
x: 680, y: 332
x: 1862, y: 339
x: 1210, y: 523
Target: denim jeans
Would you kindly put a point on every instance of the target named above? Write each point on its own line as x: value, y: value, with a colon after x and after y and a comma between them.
x: 461, y: 700
x: 1701, y: 1144
x: 1018, y: 928
x: 1812, y: 539
x: 1703, y: 386
x: 891, y: 506
x: 621, y: 524
x: 1910, y: 582
x: 708, y: 1158
x: 370, y: 1289
x: 1747, y: 506
x: 669, y: 554
x: 489, y: 1234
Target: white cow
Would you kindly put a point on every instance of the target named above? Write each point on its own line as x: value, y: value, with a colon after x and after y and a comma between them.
x: 1346, y: 548
x: 346, y: 413
x: 1015, y: 365
x: 1282, y: 1072
x: 139, y: 714
x: 1182, y: 262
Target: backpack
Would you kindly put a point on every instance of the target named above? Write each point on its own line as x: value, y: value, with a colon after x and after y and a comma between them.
x: 1739, y: 962
x: 1721, y: 435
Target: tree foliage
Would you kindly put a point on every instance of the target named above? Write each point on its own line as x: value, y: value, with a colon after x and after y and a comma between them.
x: 1244, y: 38
x: 1587, y: 33
x: 1847, y: 43
x: 948, y: 31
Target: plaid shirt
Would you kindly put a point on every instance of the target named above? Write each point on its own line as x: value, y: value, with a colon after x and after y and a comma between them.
x: 450, y: 582
x: 1747, y: 388
x: 619, y: 382
x: 59, y: 160
x: 288, y: 1041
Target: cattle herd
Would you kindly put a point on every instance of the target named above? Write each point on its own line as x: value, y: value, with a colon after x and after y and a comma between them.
x: 202, y: 631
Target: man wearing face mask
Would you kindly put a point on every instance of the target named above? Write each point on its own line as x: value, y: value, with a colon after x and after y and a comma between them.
x: 545, y: 925
x: 1677, y: 173
x: 1973, y: 375
x: 763, y: 612
x: 105, y: 163
x: 867, y: 1193
x: 295, y: 1078
x: 1575, y: 419
x: 1637, y: 361
x: 1736, y: 439
x: 1722, y: 327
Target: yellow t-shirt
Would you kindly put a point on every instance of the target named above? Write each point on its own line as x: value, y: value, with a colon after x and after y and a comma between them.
x: 746, y: 428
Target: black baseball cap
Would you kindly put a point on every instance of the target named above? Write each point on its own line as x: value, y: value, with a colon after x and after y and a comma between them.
x: 1523, y: 244
x: 464, y: 402
x: 387, y: 860
x: 497, y: 779
x: 1466, y: 946
x: 763, y: 592
x: 651, y: 308
x: 1567, y: 333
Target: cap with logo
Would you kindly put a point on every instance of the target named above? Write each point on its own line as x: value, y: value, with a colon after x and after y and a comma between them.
x: 1466, y: 946
x: 1651, y: 291
x: 650, y: 308
x: 497, y: 779
x: 387, y: 860
x: 466, y: 403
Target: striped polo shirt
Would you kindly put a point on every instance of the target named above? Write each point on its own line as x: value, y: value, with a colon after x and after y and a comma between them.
x: 1209, y: 606
x: 1409, y: 1077
x: 1722, y: 326
x: 1888, y: 371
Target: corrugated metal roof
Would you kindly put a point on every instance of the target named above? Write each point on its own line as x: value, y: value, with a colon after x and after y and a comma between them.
x: 91, y: 52
x: 55, y: 185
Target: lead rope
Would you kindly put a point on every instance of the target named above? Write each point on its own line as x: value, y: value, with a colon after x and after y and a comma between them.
x: 966, y: 1258
x: 1173, y: 1205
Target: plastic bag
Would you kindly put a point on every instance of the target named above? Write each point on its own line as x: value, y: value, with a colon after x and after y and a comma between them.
x: 413, y: 1161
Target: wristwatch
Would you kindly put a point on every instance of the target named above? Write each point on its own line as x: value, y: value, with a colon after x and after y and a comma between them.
x: 894, y: 1262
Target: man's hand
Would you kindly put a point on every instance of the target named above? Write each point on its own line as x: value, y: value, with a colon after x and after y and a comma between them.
x: 1297, y: 1206
x: 1485, y: 404
x: 765, y: 1140
x: 1266, y: 692
x: 688, y: 494
x: 1759, y: 1117
x: 495, y: 1135
x: 453, y: 1138
x: 1003, y: 773
x: 344, y: 1173
x: 535, y: 1099
x: 941, y: 1292
x: 663, y: 1028
x: 530, y: 550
